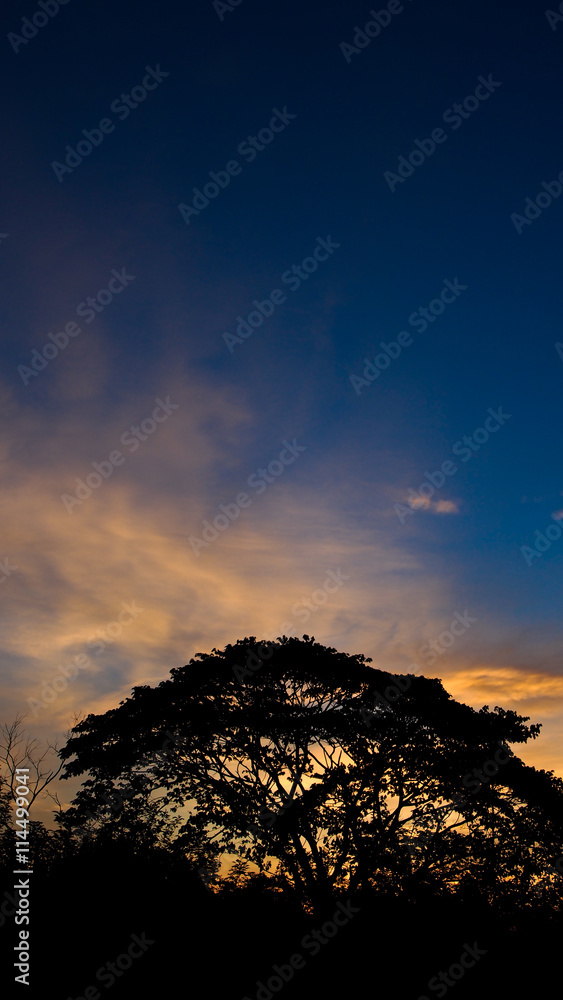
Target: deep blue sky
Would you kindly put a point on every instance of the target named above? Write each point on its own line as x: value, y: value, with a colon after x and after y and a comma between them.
x: 322, y: 175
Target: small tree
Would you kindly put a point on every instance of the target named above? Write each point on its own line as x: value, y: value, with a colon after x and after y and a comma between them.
x: 19, y: 750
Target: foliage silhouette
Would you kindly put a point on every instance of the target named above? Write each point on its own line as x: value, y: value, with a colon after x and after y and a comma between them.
x: 295, y: 765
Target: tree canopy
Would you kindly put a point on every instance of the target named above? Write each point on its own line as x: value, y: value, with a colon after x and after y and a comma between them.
x: 326, y: 774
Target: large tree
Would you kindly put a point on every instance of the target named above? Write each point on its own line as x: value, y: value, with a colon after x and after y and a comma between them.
x: 326, y: 773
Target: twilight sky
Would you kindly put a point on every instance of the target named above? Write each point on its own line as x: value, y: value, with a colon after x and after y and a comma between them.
x: 259, y: 206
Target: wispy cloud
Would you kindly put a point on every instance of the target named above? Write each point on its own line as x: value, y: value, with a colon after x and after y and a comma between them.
x: 434, y: 506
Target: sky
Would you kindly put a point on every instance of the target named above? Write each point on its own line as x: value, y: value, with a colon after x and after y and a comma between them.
x: 302, y: 247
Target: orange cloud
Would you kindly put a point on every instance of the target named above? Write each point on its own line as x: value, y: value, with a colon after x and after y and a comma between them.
x: 446, y: 507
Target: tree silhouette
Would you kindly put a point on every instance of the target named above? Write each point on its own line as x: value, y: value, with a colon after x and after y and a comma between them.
x: 19, y: 750
x: 298, y: 764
